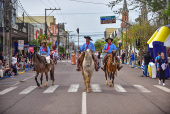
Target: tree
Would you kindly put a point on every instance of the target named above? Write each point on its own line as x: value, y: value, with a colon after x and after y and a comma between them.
x: 99, y: 44
x: 61, y: 50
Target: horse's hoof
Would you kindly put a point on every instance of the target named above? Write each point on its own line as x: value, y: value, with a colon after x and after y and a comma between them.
x: 106, y: 83
x: 85, y: 88
x: 88, y: 90
x: 52, y: 84
x: 45, y: 86
x: 112, y: 85
x: 40, y: 86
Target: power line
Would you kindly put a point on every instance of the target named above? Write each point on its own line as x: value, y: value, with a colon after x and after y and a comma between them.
x: 44, y: 3
x: 89, y: 2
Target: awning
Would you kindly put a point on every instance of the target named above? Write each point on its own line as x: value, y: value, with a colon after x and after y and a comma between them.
x: 28, y: 45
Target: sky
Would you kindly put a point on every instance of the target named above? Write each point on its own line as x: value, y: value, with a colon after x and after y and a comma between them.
x: 85, y: 16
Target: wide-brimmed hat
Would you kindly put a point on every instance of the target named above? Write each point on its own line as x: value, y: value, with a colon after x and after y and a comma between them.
x: 110, y: 39
x: 43, y: 41
x: 88, y: 37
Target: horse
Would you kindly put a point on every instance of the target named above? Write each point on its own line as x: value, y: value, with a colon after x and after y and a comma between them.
x: 111, y: 68
x: 87, y: 69
x: 41, y: 67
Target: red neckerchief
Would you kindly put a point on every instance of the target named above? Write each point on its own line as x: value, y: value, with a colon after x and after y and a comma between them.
x: 108, y: 46
x: 87, y: 45
x: 43, y: 49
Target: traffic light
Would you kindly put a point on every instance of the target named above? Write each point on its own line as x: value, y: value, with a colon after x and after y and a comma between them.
x: 78, y: 30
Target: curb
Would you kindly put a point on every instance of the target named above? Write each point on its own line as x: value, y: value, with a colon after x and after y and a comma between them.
x: 134, y: 65
x: 17, y: 73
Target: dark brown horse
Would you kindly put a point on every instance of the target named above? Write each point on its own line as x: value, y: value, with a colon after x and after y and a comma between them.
x: 111, y: 68
x: 41, y: 67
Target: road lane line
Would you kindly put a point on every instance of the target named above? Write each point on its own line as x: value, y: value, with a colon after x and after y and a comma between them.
x: 141, y: 88
x: 28, y: 78
x: 16, y: 84
x: 51, y: 89
x: 163, y: 88
x: 84, y: 106
x: 73, y: 88
x: 7, y: 90
x: 28, y: 90
x: 96, y: 88
x: 119, y: 88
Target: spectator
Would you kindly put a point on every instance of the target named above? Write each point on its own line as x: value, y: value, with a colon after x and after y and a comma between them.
x: 98, y: 58
x: 51, y: 55
x: 132, y: 57
x: 14, y: 68
x: 147, y: 59
x: 156, y: 59
x: 123, y: 57
x: 142, y: 67
x: 1, y: 70
x: 169, y: 59
x: 14, y: 59
x: 1, y: 56
x: 162, y: 65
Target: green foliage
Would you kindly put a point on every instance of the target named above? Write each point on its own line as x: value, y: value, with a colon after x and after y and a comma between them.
x: 49, y: 44
x: 99, y: 44
x: 165, y: 14
x: 61, y: 50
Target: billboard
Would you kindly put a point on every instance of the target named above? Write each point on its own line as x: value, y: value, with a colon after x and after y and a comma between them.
x: 54, y: 29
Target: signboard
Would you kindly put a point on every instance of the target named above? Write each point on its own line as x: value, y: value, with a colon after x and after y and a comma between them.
x: 54, y: 29
x: 31, y: 49
x: 107, y: 19
x: 20, y: 44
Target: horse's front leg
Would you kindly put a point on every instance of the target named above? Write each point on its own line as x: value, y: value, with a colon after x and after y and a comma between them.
x: 36, y: 79
x: 88, y: 82
x: 110, y: 82
x: 113, y: 77
x: 46, y: 80
x: 41, y: 80
x: 106, y: 77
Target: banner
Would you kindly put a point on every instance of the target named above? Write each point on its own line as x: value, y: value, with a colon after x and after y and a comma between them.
x: 31, y: 49
x: 20, y: 44
x: 54, y: 29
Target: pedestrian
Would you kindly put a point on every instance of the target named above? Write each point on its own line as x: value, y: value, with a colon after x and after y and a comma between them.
x: 73, y: 58
x: 147, y: 58
x: 169, y: 59
x: 55, y: 56
x: 123, y: 57
x: 132, y: 57
x: 162, y: 65
x: 156, y: 59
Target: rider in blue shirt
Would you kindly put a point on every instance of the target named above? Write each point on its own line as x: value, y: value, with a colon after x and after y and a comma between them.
x: 108, y: 48
x: 87, y: 45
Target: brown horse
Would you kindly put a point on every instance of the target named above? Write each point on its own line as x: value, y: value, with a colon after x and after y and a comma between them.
x: 111, y: 68
x: 41, y: 67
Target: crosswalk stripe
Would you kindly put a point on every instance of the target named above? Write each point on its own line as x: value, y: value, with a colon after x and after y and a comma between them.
x: 51, y: 89
x: 28, y: 90
x: 7, y: 90
x: 73, y: 88
x: 119, y: 88
x: 163, y: 88
x: 96, y: 88
x: 141, y: 88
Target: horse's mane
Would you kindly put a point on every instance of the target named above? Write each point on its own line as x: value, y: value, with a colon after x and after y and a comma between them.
x: 39, y: 58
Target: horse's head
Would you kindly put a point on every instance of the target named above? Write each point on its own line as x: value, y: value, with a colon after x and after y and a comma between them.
x: 114, y: 59
x: 88, y: 57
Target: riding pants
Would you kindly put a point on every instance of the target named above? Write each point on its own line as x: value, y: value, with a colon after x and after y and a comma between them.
x: 105, y: 58
x: 48, y: 59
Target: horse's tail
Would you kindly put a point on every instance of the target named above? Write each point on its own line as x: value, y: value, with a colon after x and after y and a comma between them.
x: 52, y: 73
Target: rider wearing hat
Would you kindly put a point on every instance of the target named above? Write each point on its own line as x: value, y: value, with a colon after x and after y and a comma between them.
x: 45, y: 51
x: 87, y: 45
x: 108, y: 48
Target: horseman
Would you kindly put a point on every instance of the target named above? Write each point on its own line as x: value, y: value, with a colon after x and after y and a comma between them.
x: 108, y: 48
x: 45, y: 51
x: 87, y: 45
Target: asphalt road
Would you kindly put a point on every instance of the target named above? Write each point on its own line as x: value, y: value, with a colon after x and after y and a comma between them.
x: 131, y: 95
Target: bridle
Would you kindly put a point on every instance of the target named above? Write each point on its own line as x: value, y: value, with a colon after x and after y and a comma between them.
x: 87, y: 59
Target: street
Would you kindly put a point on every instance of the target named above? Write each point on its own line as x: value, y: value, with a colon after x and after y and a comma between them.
x: 132, y: 94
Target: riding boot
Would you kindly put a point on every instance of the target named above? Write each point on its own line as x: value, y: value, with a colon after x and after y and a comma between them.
x: 96, y: 66
x: 119, y: 67
x: 78, y: 63
x: 49, y: 66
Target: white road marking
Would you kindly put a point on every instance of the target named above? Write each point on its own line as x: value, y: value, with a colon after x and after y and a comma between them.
x: 7, y: 90
x: 16, y: 83
x: 141, y: 88
x: 73, y: 88
x: 163, y: 88
x: 51, y: 89
x: 96, y: 88
x: 28, y: 90
x: 84, y: 106
x: 119, y: 88
x: 28, y: 78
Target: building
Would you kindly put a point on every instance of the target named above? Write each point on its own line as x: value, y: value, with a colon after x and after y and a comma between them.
x: 125, y: 16
x: 109, y: 32
x: 144, y: 13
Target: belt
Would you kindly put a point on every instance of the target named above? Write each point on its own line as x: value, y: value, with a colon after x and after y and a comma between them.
x: 43, y: 54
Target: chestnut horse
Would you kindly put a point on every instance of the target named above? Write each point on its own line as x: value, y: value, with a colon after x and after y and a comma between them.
x: 87, y: 68
x: 111, y: 68
x: 41, y: 67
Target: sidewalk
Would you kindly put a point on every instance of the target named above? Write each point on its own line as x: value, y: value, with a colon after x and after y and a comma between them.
x: 19, y: 72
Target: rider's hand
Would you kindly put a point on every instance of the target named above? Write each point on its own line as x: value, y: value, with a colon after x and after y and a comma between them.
x: 45, y: 56
x: 106, y: 51
x: 157, y: 69
x: 78, y: 47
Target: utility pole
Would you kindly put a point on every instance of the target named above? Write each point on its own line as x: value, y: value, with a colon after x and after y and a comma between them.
x: 8, y: 27
x: 46, y: 19
x: 58, y: 37
x: 78, y: 36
